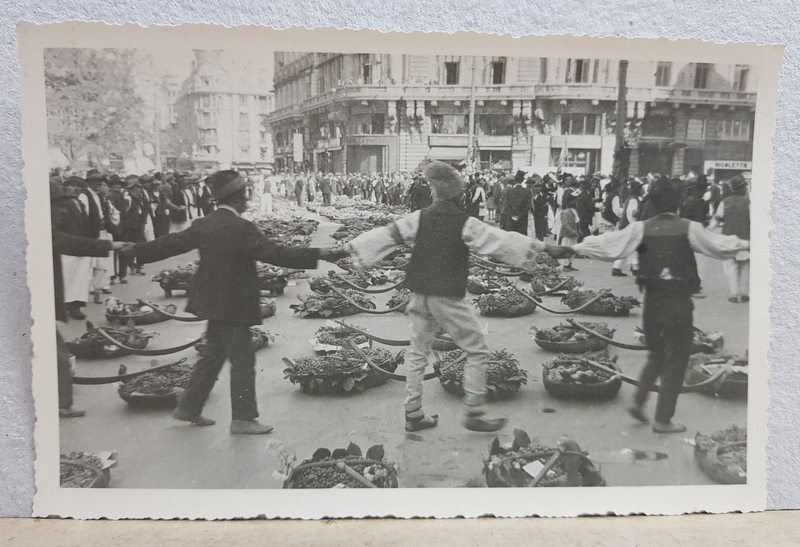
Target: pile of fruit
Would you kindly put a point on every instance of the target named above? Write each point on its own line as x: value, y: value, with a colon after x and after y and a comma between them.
x: 504, y: 377
x: 483, y: 281
x: 723, y: 455
x: 331, y: 305
x: 518, y: 463
x: 118, y: 311
x: 573, y: 369
x: 94, y: 344
x: 337, y: 335
x: 78, y: 476
x: 343, y: 371
x: 568, y: 333
x: 734, y: 380
x: 325, y: 469
x: 362, y: 279
x: 161, y: 382
x: 288, y: 231
x: 608, y: 304
x: 354, y: 226
x: 400, y: 296
x: 259, y: 336
x: 182, y: 275
x: 396, y: 261
x: 504, y: 303
x: 702, y: 342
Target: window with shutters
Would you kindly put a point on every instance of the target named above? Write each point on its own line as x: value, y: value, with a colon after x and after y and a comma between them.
x: 701, y: 74
x: 498, y: 72
x: 451, y: 73
x: 740, y: 75
x: 663, y: 73
x: 579, y: 124
x: 449, y: 124
x: 578, y: 71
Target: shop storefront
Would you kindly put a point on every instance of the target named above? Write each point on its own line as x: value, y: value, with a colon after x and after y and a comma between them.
x: 723, y: 170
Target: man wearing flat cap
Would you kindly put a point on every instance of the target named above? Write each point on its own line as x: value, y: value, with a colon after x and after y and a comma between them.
x: 442, y: 236
x: 226, y: 293
x: 734, y: 215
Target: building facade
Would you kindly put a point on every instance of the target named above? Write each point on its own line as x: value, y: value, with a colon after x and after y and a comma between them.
x: 391, y: 112
x: 222, y: 110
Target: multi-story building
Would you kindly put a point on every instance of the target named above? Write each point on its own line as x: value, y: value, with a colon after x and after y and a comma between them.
x: 221, y: 112
x: 390, y: 112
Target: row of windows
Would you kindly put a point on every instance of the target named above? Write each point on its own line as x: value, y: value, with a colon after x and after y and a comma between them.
x: 207, y: 101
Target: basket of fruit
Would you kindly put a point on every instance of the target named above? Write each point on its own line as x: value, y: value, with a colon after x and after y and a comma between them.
x: 506, y: 302
x: 93, y: 345
x: 84, y: 470
x: 156, y: 389
x: 343, y: 372
x: 139, y: 314
x: 399, y: 300
x: 571, y: 377
x: 333, y: 337
x: 722, y: 456
x: 259, y: 336
x: 525, y: 463
x: 569, y: 339
x: 702, y: 342
x: 344, y: 468
x: 608, y: 304
x: 331, y: 305
x: 733, y: 382
x: 485, y: 282
x: 504, y: 377
x: 179, y: 278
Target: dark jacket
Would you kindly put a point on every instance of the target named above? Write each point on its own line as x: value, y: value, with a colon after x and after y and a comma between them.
x: 226, y: 286
x: 517, y: 201
x: 67, y: 240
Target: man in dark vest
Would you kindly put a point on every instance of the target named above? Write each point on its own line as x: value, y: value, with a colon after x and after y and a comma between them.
x: 666, y: 245
x: 226, y: 293
x: 442, y: 236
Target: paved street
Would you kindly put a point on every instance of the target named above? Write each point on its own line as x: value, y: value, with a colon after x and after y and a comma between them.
x: 156, y: 451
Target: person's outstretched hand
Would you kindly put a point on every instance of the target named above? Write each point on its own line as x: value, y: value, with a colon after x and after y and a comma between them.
x: 558, y: 251
x: 126, y: 249
x: 331, y: 254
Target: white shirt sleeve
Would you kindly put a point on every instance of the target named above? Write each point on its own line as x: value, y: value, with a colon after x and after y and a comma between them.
x: 612, y: 245
x: 85, y: 200
x: 633, y: 206
x: 511, y: 248
x: 713, y: 244
x: 370, y: 247
x: 616, y: 206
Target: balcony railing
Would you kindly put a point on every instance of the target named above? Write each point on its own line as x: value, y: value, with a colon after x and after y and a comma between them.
x: 448, y: 140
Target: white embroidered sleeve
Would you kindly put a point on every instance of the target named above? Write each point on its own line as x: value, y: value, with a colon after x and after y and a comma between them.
x: 508, y: 247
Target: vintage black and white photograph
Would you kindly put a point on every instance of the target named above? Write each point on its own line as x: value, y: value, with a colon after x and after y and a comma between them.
x: 279, y: 265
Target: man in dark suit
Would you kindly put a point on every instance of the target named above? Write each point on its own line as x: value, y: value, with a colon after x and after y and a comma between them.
x: 517, y: 202
x: 226, y: 293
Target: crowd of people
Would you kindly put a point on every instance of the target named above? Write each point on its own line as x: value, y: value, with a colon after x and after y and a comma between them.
x: 656, y: 223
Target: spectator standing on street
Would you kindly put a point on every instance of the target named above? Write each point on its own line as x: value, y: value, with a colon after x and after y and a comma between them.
x: 442, y: 237
x: 227, y: 295
x: 517, y: 202
x: 539, y: 208
x: 325, y: 188
x: 668, y: 276
x: 734, y: 215
x: 568, y: 228
x: 420, y: 196
x: 628, y: 215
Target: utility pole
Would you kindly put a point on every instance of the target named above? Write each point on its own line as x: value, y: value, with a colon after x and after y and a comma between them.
x: 621, y: 152
x: 158, y: 136
x: 471, y: 130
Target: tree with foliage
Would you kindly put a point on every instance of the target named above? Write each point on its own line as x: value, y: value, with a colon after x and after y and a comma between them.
x: 92, y: 106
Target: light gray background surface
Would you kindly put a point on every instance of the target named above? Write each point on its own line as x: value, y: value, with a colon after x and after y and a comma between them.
x: 767, y: 21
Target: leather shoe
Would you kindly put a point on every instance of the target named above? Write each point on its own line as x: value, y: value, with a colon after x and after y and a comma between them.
x: 484, y: 425
x: 426, y: 422
x: 195, y: 419
x: 615, y: 272
x: 76, y: 313
x: 249, y: 427
x: 70, y: 413
x: 638, y: 413
x: 669, y: 427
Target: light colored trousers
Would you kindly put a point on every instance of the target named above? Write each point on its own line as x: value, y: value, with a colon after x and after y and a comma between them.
x: 738, y: 274
x: 452, y: 314
x: 102, y: 267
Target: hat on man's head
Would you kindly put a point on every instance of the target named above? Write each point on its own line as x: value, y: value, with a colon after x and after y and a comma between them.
x: 56, y: 190
x: 225, y: 183
x: 444, y: 179
x: 520, y: 176
x: 93, y: 177
x: 131, y: 181
x: 75, y: 181
x: 737, y: 183
x: 634, y: 184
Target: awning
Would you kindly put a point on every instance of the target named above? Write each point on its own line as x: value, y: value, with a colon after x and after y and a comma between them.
x: 446, y: 153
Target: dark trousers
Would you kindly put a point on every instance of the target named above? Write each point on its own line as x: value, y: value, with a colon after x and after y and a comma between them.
x: 326, y: 199
x: 668, y: 330
x: 224, y: 341
x: 520, y: 226
x: 64, y: 373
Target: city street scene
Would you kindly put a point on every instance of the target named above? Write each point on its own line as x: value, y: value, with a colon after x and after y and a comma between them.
x: 315, y: 270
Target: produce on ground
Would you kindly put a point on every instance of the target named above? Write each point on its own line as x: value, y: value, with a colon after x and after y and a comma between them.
x: 723, y: 455
x: 609, y: 304
x: 75, y: 476
x: 337, y: 335
x: 331, y: 304
x: 504, y: 376
x: 400, y: 296
x: 702, y: 342
x: 294, y: 231
x: 574, y: 369
x: 362, y: 279
x: 160, y: 382
x: 343, y: 371
x: 398, y: 262
x: 483, y: 281
x: 504, y: 303
x: 733, y: 434
x: 569, y: 333
x: 321, y: 470
x: 181, y: 275
x: 92, y: 342
x: 259, y: 336
x: 506, y: 465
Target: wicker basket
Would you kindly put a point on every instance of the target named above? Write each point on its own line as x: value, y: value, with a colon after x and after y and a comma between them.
x: 443, y: 342
x: 168, y: 287
x: 590, y: 476
x: 526, y: 308
x: 734, y: 386
x: 101, y: 476
x: 710, y: 464
x: 142, y: 318
x: 148, y: 400
x: 573, y: 390
x: 89, y: 349
x: 297, y: 472
x: 572, y: 346
x: 274, y: 286
x: 268, y: 308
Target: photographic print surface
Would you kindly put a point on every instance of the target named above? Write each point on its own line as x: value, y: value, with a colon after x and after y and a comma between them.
x: 630, y: 371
